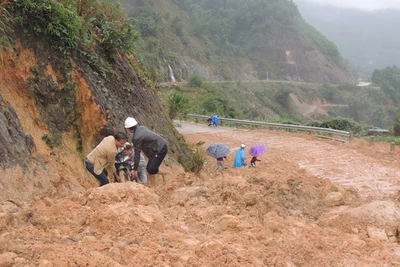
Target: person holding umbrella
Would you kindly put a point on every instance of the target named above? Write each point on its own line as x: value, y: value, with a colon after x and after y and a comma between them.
x: 253, y: 161
x: 220, y: 163
x: 218, y: 151
x: 256, y: 151
x: 240, y: 157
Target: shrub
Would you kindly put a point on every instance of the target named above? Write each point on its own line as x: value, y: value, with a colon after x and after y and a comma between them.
x: 116, y: 35
x: 285, y: 120
x: 282, y: 95
x: 51, y: 18
x: 146, y: 20
x: 48, y: 140
x: 327, y: 92
x: 177, y: 25
x: 344, y: 124
x: 68, y: 22
x: 212, y: 105
x: 396, y: 126
x: 198, y: 159
x: 195, y: 80
x: 231, y: 114
x: 177, y: 103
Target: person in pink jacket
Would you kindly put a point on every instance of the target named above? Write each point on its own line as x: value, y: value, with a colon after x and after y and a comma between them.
x: 104, y: 156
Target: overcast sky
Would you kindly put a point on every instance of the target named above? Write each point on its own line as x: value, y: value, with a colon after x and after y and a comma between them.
x: 361, y: 4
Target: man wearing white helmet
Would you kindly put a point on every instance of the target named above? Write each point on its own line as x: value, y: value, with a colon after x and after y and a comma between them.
x: 154, y: 147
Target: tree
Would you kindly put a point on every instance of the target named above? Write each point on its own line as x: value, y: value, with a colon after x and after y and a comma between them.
x: 328, y: 92
x: 213, y: 106
x: 396, y: 126
x: 282, y: 95
x: 177, y: 103
x: 177, y: 25
x: 195, y: 80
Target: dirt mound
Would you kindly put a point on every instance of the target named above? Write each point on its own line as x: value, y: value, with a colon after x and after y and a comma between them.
x: 281, y: 213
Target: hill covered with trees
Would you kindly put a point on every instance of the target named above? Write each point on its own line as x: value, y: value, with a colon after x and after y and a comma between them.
x: 368, y: 40
x: 230, y: 40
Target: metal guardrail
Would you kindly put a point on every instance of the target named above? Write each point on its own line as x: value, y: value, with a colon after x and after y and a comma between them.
x: 344, y: 136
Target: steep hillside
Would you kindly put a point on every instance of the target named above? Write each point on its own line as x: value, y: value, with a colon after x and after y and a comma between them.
x: 57, y: 105
x: 231, y: 40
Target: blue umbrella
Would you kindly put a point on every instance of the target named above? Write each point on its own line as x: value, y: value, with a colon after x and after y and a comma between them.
x: 257, y: 150
x: 218, y: 150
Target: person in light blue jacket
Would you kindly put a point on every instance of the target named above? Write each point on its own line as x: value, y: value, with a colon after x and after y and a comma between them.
x: 240, y: 157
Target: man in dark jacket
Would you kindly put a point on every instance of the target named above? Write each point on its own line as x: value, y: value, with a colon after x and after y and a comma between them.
x: 154, y: 147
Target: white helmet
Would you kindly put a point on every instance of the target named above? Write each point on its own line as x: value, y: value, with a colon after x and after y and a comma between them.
x: 242, y: 145
x: 130, y: 122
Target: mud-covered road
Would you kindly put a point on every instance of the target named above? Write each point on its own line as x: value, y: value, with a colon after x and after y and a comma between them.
x: 374, y: 171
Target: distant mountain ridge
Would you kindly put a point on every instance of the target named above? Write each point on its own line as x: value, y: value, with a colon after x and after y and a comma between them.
x: 368, y: 40
x: 230, y: 40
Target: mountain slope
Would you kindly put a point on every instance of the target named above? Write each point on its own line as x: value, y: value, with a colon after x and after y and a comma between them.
x: 368, y: 40
x: 230, y: 40
x: 58, y: 100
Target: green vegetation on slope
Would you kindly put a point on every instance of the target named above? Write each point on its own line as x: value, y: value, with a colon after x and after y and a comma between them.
x: 274, y: 102
x: 240, y: 99
x: 91, y: 38
x: 5, y: 29
x: 315, y: 38
x: 389, y: 79
x: 67, y: 24
x: 220, y: 32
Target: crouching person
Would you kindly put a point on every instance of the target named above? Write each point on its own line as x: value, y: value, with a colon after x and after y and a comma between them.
x: 104, y: 156
x: 141, y: 170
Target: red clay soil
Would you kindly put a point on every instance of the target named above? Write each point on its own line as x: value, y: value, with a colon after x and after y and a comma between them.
x: 309, y: 202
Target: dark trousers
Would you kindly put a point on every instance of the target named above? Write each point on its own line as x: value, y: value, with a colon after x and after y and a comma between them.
x: 155, y: 162
x: 102, y: 177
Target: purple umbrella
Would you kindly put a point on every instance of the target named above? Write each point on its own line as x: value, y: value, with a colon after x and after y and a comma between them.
x: 257, y: 150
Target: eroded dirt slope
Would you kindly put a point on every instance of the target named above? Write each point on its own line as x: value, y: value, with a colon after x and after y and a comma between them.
x: 309, y: 202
